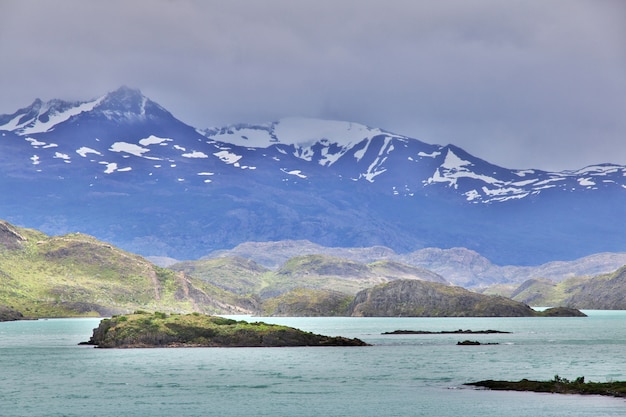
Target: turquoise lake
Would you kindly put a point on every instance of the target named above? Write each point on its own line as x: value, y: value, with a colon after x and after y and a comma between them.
x: 43, y: 371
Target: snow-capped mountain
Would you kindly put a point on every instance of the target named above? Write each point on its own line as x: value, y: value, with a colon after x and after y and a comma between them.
x: 123, y: 168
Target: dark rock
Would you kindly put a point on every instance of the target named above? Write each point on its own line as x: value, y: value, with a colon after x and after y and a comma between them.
x: 460, y: 331
x: 473, y: 343
x: 9, y: 314
x: 558, y: 386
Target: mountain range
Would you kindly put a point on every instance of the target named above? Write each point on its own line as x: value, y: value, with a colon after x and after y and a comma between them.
x: 459, y: 266
x: 123, y: 169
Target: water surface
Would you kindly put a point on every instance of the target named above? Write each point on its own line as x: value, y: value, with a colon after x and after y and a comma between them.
x: 43, y: 372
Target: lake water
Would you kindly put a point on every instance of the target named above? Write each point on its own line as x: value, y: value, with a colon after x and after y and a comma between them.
x: 43, y: 372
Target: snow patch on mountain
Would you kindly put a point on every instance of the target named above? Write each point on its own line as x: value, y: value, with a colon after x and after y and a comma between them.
x: 295, y: 172
x: 34, y: 142
x: 377, y: 166
x: 129, y: 148
x: 14, y: 123
x: 227, y: 157
x: 429, y: 155
x: 454, y: 168
x: 453, y: 163
x: 195, y: 154
x: 325, y: 140
x: 84, y: 151
x: 154, y: 140
x: 303, y: 131
x: 54, y: 117
x: 110, y: 167
x: 586, y: 182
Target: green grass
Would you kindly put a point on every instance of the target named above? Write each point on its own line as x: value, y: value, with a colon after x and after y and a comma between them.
x: 78, y: 275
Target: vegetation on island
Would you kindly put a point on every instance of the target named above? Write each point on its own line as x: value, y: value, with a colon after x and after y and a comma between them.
x: 558, y: 385
x: 143, y: 329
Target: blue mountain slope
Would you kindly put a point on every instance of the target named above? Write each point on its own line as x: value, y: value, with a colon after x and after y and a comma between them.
x: 124, y: 169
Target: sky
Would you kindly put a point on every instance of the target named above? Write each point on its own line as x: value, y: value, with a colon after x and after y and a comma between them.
x: 522, y: 84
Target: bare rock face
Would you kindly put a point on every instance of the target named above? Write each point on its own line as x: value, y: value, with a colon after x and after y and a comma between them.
x: 10, y: 238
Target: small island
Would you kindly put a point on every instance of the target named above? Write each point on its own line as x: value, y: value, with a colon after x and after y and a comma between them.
x: 474, y: 343
x: 557, y: 385
x: 459, y: 331
x: 146, y: 330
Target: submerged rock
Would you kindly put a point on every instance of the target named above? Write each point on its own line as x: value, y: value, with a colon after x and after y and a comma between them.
x: 141, y: 330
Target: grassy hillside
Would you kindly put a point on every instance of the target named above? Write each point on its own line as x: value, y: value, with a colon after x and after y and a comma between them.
x: 413, y: 298
x: 235, y: 274
x: 305, y: 302
x: 603, y: 292
x: 313, y: 272
x: 76, y: 274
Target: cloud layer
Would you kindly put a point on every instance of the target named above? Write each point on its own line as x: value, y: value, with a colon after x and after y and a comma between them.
x: 519, y: 83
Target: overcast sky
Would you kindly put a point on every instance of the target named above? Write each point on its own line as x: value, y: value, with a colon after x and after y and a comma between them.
x: 523, y: 84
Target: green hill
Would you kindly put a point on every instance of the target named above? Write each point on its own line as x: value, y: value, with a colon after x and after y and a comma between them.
x: 313, y: 272
x: 78, y: 275
x: 429, y: 299
x: 235, y: 274
x: 306, y: 302
x: 602, y: 292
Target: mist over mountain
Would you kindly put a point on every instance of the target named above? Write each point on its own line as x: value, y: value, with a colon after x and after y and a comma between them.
x: 122, y: 168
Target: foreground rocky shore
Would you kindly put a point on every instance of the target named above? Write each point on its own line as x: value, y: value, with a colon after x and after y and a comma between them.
x: 144, y: 330
x: 558, y: 386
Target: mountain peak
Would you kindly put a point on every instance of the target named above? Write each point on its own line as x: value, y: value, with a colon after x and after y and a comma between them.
x: 128, y: 103
x: 125, y: 93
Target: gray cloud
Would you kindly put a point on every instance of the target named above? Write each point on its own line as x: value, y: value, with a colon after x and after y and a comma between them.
x: 519, y: 83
